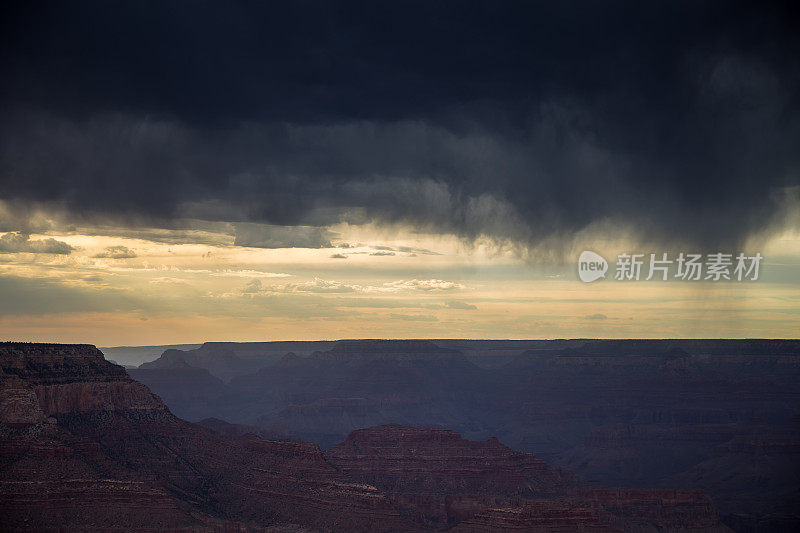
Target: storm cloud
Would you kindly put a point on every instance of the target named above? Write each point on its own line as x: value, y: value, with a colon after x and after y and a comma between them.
x: 517, y: 121
x: 266, y: 236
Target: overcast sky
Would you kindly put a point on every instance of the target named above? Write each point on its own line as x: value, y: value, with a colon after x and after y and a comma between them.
x: 181, y: 172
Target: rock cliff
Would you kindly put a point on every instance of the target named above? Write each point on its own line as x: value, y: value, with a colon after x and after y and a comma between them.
x: 441, y: 480
x: 86, y: 447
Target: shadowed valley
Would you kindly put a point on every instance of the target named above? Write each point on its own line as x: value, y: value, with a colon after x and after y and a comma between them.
x: 719, y: 415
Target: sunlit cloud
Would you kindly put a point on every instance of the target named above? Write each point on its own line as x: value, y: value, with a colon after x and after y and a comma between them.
x: 13, y: 243
x: 116, y: 252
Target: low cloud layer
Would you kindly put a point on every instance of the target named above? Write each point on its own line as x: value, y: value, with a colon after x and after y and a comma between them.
x: 319, y: 285
x: 12, y: 243
x: 116, y: 252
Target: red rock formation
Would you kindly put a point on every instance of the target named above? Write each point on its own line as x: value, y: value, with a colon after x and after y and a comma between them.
x: 18, y: 402
x: 536, y: 516
x: 98, y: 450
x: 432, y: 460
x: 74, y: 378
x: 661, y: 508
x: 439, y: 479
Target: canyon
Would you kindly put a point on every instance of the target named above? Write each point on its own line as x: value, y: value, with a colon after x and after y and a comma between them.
x: 84, y: 446
x: 718, y: 415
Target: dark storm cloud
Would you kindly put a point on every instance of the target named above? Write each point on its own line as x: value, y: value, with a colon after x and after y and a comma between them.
x: 514, y: 120
x: 266, y: 236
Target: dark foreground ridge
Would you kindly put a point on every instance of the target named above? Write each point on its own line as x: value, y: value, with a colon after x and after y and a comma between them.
x: 86, y: 447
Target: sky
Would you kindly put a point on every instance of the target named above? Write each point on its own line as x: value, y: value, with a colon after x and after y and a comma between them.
x: 177, y: 172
